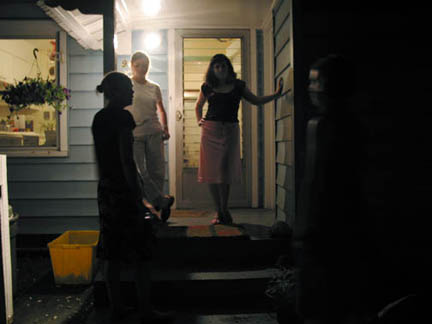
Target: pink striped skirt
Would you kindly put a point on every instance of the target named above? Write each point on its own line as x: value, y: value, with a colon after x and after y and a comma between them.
x: 220, y: 153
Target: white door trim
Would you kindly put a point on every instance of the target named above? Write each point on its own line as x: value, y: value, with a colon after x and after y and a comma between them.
x: 5, y: 261
x: 269, y: 116
x: 254, y: 120
x: 172, y: 109
x: 175, y: 81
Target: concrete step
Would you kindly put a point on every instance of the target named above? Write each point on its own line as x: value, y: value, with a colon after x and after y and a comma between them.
x: 185, y: 286
x: 213, y: 252
x: 190, y: 316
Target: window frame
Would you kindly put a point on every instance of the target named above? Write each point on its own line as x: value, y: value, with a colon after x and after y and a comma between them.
x: 39, y: 29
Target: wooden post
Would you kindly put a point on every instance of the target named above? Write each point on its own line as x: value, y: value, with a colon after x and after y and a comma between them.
x: 6, y: 298
x: 109, y: 56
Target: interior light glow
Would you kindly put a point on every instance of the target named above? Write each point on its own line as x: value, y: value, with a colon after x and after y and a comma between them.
x: 152, y: 41
x: 151, y: 7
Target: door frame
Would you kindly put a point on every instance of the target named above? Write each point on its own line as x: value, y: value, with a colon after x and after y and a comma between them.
x: 175, y: 44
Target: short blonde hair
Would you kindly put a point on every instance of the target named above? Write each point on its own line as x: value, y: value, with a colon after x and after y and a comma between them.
x: 140, y: 55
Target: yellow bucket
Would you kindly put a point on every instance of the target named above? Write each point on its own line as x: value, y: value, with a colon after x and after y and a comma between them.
x: 73, y: 257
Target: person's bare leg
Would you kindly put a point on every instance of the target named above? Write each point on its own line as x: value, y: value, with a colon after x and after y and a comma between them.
x: 215, y: 193
x: 224, y: 194
x: 112, y: 278
x: 143, y: 285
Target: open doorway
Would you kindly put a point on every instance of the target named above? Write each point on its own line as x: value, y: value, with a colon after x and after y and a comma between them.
x: 197, y: 49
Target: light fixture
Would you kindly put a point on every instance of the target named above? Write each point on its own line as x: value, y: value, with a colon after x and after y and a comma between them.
x: 152, y: 41
x: 115, y: 41
x: 151, y: 7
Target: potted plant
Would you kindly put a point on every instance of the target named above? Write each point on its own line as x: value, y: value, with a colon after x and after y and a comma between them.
x: 281, y: 289
x: 35, y: 91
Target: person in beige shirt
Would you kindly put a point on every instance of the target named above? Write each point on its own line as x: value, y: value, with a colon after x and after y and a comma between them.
x: 149, y: 134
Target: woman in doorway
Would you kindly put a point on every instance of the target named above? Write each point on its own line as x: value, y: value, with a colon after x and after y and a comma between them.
x: 149, y: 134
x: 220, y: 164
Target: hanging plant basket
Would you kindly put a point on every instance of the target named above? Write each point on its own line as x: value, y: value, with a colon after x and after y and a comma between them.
x: 35, y: 91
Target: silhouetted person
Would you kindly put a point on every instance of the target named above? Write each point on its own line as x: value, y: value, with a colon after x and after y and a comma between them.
x: 330, y: 236
x: 125, y: 228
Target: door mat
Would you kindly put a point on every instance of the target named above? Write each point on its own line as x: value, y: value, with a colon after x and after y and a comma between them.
x: 203, y: 231
x: 189, y: 213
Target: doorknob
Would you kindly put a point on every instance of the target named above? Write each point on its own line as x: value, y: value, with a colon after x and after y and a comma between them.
x: 179, y: 115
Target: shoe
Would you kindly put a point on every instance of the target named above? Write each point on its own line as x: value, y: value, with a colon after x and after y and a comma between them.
x: 218, y: 219
x: 222, y: 218
x: 226, y: 216
x: 167, y: 202
x: 156, y: 316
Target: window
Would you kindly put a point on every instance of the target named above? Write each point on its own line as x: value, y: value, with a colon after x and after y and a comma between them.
x: 37, y: 130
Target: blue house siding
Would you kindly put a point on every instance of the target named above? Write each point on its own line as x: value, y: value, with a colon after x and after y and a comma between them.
x: 52, y: 195
x: 57, y: 194
x: 284, y: 123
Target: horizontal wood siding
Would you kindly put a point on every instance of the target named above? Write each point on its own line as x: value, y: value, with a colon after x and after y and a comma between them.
x: 52, y: 195
x: 284, y: 137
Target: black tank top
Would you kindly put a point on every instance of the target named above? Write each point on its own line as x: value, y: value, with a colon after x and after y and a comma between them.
x: 223, y: 106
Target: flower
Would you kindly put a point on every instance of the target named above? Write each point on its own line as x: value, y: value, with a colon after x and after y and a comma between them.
x: 35, y: 91
x: 281, y: 286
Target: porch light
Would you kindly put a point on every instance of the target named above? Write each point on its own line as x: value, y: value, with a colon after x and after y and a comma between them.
x: 115, y: 41
x: 151, y: 7
x: 152, y: 41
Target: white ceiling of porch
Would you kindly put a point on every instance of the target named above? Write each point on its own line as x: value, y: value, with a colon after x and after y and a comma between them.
x: 88, y: 29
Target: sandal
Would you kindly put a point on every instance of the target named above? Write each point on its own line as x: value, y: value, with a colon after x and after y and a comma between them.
x: 222, y: 218
x: 226, y: 216
x: 218, y: 219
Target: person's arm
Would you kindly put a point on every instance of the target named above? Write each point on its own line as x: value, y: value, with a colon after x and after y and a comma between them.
x: 199, y: 107
x: 163, y: 117
x: 260, y: 100
x: 162, y: 114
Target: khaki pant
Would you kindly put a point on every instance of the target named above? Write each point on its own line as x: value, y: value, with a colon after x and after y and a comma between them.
x: 150, y: 159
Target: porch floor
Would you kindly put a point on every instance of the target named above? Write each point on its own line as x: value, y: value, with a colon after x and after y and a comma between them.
x: 257, y: 222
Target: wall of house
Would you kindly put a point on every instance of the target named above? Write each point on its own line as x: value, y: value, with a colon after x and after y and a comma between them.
x: 284, y: 117
x: 52, y: 195
x: 57, y: 194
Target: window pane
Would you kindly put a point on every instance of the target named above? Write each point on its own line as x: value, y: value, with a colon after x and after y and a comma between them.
x: 36, y: 125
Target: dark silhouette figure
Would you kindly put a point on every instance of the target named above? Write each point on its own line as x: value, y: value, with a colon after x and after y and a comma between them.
x: 125, y: 223
x: 330, y: 237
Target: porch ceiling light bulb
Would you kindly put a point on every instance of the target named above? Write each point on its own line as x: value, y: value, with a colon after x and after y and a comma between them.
x: 151, y: 7
x: 152, y: 41
x: 115, y: 41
